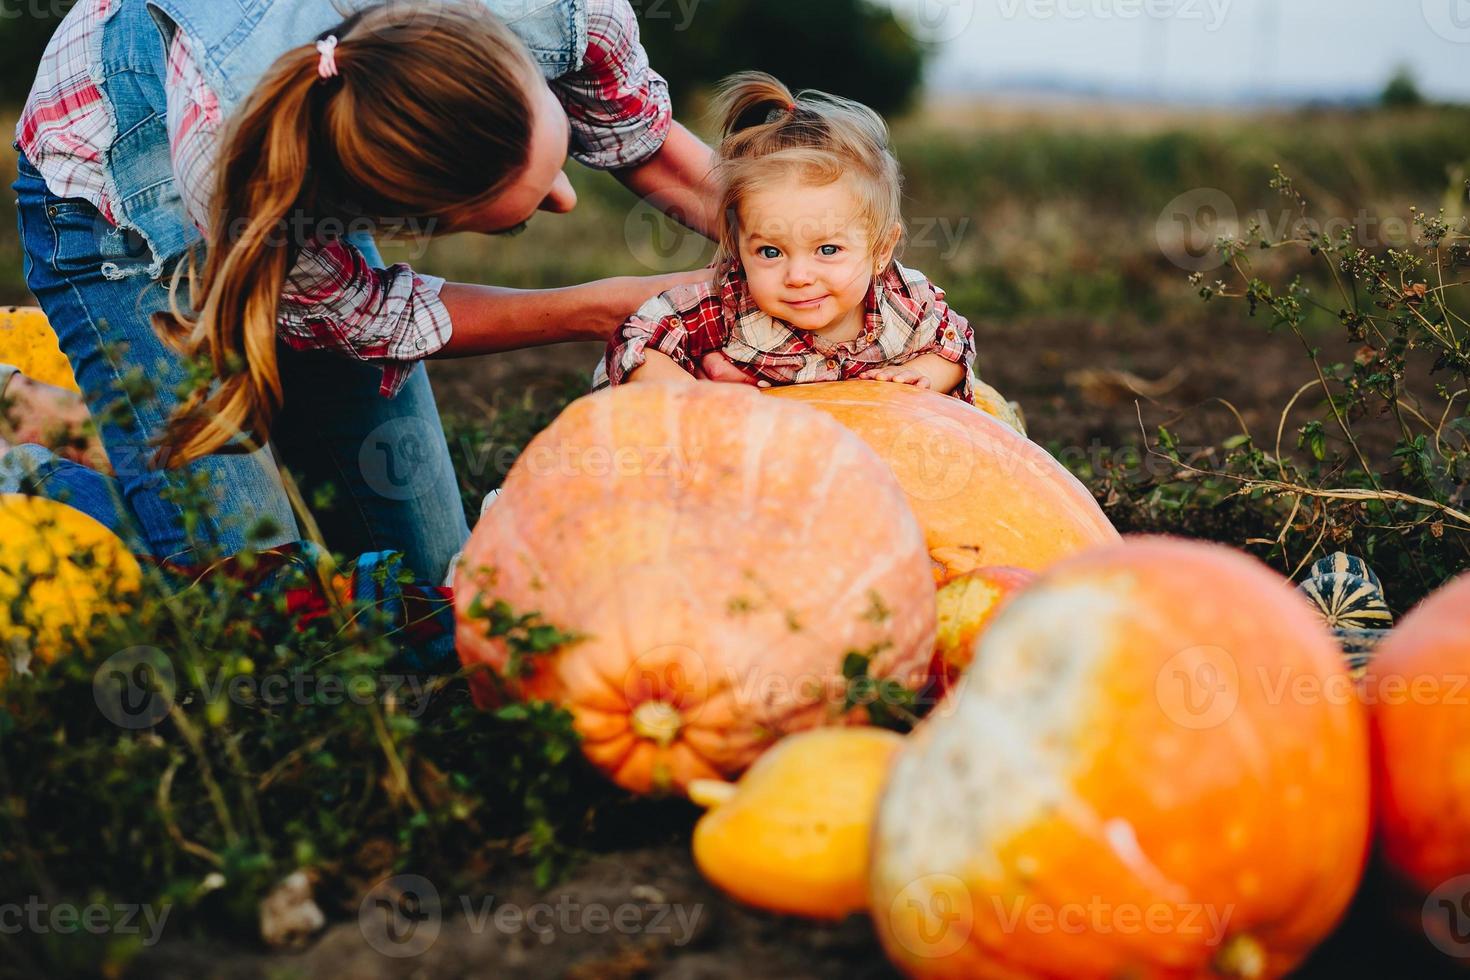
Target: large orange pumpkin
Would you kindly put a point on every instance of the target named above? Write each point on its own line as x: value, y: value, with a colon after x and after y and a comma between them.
x: 719, y: 554
x: 984, y: 494
x: 1418, y: 692
x: 1155, y: 767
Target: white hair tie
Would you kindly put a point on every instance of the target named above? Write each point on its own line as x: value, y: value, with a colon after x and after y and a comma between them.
x: 327, y: 67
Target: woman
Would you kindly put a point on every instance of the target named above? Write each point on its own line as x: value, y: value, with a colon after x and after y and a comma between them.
x: 260, y: 132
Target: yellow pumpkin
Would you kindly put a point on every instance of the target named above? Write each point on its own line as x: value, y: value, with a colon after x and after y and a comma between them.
x: 792, y: 836
x: 983, y: 493
x: 60, y: 570
x: 28, y: 342
x: 718, y: 555
x: 992, y: 402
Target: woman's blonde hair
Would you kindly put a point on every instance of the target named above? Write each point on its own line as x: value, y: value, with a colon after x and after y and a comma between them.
x: 404, y: 131
x: 768, y: 134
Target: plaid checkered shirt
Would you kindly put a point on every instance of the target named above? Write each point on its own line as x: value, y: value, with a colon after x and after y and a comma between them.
x: 904, y: 315
x: 617, y: 105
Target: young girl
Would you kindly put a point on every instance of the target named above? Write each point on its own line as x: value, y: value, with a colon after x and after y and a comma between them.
x: 805, y: 287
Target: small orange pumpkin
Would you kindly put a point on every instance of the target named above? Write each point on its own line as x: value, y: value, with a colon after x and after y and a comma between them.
x: 719, y: 555
x: 966, y: 605
x: 1418, y: 692
x: 983, y: 493
x: 1155, y: 767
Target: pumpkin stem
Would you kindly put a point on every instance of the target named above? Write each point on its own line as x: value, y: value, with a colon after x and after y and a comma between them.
x: 657, y: 721
x: 1242, y: 956
x: 710, y: 793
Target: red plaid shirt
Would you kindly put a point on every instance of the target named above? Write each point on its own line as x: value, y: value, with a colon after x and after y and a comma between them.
x: 617, y: 105
x: 904, y: 315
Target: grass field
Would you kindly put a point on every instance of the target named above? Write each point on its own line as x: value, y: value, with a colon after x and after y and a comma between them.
x: 1015, y: 211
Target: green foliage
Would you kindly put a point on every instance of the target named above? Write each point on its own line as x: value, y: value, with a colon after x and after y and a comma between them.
x: 525, y: 636
x: 889, y: 704
x: 280, y: 743
x: 854, y: 48
x: 1382, y: 467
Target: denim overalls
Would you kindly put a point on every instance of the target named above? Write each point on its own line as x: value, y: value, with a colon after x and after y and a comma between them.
x: 99, y: 284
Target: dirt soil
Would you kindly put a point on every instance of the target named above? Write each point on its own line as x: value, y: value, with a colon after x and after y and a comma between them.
x: 673, y: 927
x: 1076, y: 380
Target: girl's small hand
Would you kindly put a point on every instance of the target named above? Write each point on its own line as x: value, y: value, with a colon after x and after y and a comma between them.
x: 901, y: 375
x: 715, y: 366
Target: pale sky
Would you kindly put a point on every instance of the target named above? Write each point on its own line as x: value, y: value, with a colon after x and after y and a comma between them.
x: 1198, y: 49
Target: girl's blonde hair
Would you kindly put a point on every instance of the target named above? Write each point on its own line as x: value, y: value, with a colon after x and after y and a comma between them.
x: 404, y: 131
x: 768, y: 134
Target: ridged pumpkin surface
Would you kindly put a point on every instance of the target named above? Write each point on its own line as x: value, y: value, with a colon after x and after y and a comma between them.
x: 719, y: 554
x: 984, y: 494
x: 1155, y: 767
x: 1419, y: 704
x: 28, y: 342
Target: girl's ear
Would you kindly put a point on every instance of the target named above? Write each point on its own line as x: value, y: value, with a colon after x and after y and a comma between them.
x: 886, y: 246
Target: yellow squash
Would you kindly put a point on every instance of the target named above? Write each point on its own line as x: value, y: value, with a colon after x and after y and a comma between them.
x: 792, y: 835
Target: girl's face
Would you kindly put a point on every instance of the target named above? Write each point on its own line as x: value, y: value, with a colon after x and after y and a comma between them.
x: 808, y: 257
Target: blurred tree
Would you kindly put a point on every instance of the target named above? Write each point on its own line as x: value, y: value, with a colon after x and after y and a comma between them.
x: 1402, y: 91
x: 25, y: 27
x: 853, y: 48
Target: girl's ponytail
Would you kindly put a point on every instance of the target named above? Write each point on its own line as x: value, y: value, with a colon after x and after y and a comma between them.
x: 748, y: 99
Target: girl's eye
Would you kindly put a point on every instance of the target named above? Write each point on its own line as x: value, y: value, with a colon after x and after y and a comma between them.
x: 768, y: 252
x: 830, y: 249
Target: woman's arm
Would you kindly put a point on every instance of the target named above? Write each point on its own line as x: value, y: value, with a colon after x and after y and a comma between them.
x: 488, y: 319
x: 676, y: 181
x: 622, y: 120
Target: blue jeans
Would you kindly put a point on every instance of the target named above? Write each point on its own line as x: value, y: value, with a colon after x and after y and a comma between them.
x: 384, y: 462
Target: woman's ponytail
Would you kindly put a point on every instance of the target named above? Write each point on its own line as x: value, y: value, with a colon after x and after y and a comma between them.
x: 401, y: 131
x: 261, y: 176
